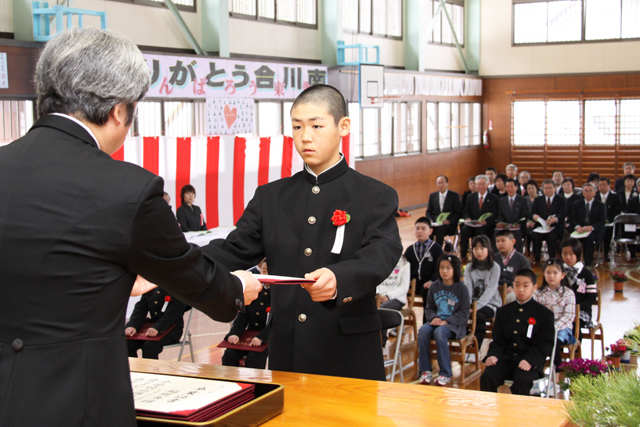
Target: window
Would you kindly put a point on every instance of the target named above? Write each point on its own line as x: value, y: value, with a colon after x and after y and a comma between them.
x: 296, y: 12
x: 16, y: 120
x: 186, y: 5
x: 432, y: 126
x: 442, y: 33
x: 457, y: 125
x: 376, y: 17
x: 169, y: 118
x: 591, y: 122
x: 269, y: 119
x: 557, y: 21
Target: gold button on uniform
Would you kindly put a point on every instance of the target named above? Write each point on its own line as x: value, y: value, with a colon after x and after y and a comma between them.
x: 517, y: 320
x: 515, y: 332
x: 308, y: 252
x: 302, y: 317
x: 315, y: 189
x: 261, y: 303
x: 515, y: 344
x: 155, y: 302
x: 347, y: 299
x: 257, y: 313
x: 312, y: 220
x: 520, y: 310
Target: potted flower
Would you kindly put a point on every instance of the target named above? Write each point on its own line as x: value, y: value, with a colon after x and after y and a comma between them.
x: 617, y: 349
x: 618, y: 280
x: 580, y: 367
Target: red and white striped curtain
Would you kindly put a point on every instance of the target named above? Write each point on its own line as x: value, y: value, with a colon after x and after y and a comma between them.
x: 224, y: 170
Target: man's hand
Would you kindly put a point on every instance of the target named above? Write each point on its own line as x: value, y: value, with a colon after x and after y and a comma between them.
x: 255, y: 342
x: 524, y: 365
x: 588, y: 228
x: 446, y: 222
x: 536, y: 218
x: 152, y: 332
x: 141, y: 286
x: 427, y: 285
x: 233, y: 339
x: 483, y: 222
x: 531, y: 224
x: 492, y: 360
x: 552, y: 220
x: 252, y: 287
x: 500, y: 226
x: 325, y: 286
x: 130, y: 332
x: 579, y: 229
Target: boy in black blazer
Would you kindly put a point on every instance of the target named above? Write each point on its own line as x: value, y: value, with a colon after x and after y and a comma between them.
x: 522, y: 339
x: 441, y: 201
x: 511, y: 209
x: 613, y: 206
x: 588, y: 216
x: 478, y: 204
x: 551, y: 208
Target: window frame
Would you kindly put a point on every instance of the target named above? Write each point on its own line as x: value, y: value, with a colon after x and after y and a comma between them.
x: 443, y: 22
x: 372, y: 33
x: 161, y: 4
x: 274, y: 20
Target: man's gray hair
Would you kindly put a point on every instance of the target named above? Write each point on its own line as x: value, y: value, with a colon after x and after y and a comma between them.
x: 485, y: 177
x: 588, y: 184
x: 511, y: 165
x: 87, y: 72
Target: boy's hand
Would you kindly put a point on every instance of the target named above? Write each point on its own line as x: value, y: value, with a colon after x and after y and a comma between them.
x: 130, y: 332
x: 252, y: 287
x: 255, y: 342
x: 427, y: 285
x: 492, y: 360
x: 151, y: 332
x: 233, y: 339
x: 524, y: 365
x: 325, y: 286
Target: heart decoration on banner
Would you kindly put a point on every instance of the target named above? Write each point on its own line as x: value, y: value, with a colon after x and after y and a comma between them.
x: 230, y: 115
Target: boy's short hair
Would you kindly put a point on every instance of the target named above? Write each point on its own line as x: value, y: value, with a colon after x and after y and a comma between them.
x: 526, y: 272
x: 326, y: 96
x: 423, y: 220
x: 505, y: 233
x: 491, y: 168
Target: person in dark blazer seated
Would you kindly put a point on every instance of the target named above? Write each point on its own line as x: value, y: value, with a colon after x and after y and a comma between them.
x: 627, y: 169
x: 84, y: 225
x: 444, y: 200
x: 491, y: 175
x: 471, y: 183
x: 513, y: 209
x: 499, y: 189
x: 588, y: 216
x: 164, y: 311
x: 551, y: 208
x: 189, y: 215
x: 629, y: 192
x: 569, y: 193
x: 613, y: 205
x: 523, y: 178
x: 478, y: 204
x: 558, y: 178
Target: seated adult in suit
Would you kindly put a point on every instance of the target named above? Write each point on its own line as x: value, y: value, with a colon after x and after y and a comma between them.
x: 511, y: 171
x: 499, y: 188
x: 614, y: 207
x: 627, y: 169
x: 629, y: 192
x: 513, y: 209
x: 594, y: 178
x: 551, y: 208
x: 471, y: 182
x: 589, y: 216
x: 569, y: 194
x: 491, y: 175
x: 83, y: 227
x: 444, y: 200
x: 523, y: 178
x: 558, y: 178
x: 478, y: 204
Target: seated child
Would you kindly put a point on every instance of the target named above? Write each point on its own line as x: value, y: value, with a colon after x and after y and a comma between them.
x: 556, y: 295
x: 447, y: 313
x: 422, y: 257
x: 580, y: 279
x: 255, y: 318
x: 393, y: 291
x: 522, y: 339
x: 481, y: 278
x: 509, y: 261
x: 164, y: 311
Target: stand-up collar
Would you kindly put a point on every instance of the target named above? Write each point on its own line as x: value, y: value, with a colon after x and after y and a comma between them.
x: 328, y: 175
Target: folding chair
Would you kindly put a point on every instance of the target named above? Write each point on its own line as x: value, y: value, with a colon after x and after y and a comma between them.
x: 185, y: 339
x: 393, y: 319
x: 575, y: 349
x: 619, y: 222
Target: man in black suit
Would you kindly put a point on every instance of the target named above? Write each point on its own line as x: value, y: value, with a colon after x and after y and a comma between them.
x: 627, y: 169
x: 332, y: 326
x: 613, y: 205
x: 551, y: 208
x: 76, y: 227
x: 513, y: 209
x: 441, y: 201
x: 523, y: 178
x: 588, y: 216
x: 478, y: 204
x: 558, y: 177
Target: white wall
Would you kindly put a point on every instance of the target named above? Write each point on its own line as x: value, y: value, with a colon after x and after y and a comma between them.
x: 391, y: 51
x: 499, y: 58
x: 445, y: 58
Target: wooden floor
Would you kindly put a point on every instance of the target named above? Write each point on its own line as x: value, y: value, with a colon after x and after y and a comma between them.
x: 619, y: 311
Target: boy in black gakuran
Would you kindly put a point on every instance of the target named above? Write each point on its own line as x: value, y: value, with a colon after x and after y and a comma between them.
x: 331, y: 326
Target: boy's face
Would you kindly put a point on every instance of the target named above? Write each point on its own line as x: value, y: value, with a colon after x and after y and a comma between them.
x: 423, y: 231
x: 316, y: 136
x: 523, y: 288
x: 505, y: 244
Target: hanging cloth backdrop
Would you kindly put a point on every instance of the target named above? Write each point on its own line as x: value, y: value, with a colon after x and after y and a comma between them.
x: 225, y: 170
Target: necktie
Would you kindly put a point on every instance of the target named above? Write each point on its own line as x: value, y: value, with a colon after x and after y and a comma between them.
x: 420, y: 249
x: 548, y: 205
x: 480, y: 204
x: 510, y: 204
x: 588, y: 211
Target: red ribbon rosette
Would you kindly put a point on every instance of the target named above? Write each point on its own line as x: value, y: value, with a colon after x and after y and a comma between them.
x: 340, y: 218
x: 268, y: 309
x: 167, y: 298
x: 532, y: 321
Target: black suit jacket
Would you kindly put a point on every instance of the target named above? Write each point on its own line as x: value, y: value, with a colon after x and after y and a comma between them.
x: 619, y: 185
x: 451, y: 204
x: 76, y: 227
x: 571, y: 200
x: 149, y: 309
x: 613, y: 205
x: 190, y: 218
x: 489, y: 204
x: 597, y: 215
x: 289, y: 222
x: 558, y: 208
x: 623, y: 198
x: 520, y: 210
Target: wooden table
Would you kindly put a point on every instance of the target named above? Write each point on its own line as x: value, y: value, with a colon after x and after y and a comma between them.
x: 315, y: 400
